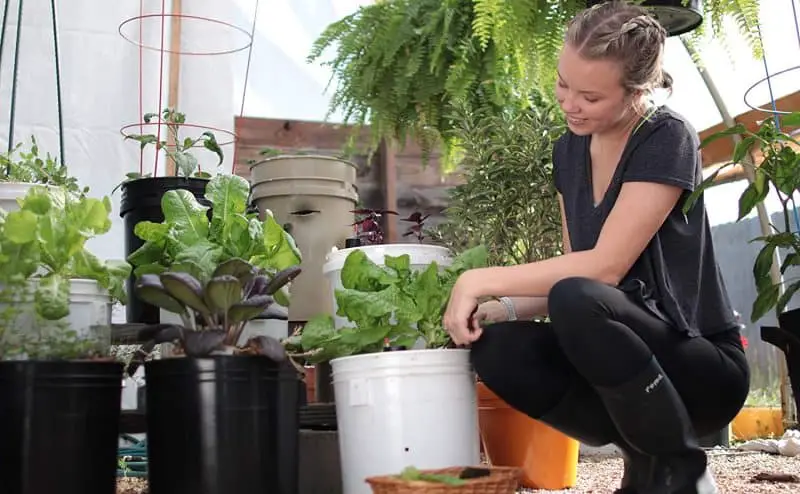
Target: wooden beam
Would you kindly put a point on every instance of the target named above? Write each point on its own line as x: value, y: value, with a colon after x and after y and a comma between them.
x: 388, y: 181
x: 174, y: 70
x: 721, y: 150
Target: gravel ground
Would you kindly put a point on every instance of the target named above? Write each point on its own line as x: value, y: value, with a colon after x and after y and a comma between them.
x: 735, y: 472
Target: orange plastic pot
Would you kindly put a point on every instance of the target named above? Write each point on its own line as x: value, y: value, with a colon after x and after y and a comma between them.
x: 757, y: 422
x: 547, y: 457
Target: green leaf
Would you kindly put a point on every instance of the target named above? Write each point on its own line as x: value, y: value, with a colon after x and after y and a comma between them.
x: 211, y: 144
x: 151, y: 232
x: 20, y: 226
x: 187, y: 217
x: 51, y: 298
x: 222, y: 292
x: 699, y: 189
x: 228, y: 195
x: 786, y: 296
x: 361, y: 273
x: 792, y: 259
x: 742, y: 148
x: 318, y: 331
x: 766, y: 300
x: 764, y: 260
x: 791, y: 120
x: 736, y: 129
x: 148, y: 253
x: 749, y: 199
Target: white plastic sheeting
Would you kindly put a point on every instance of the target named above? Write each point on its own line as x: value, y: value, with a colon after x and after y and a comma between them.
x: 100, y: 77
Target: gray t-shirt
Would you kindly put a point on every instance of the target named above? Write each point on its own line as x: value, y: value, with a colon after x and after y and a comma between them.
x: 676, y: 277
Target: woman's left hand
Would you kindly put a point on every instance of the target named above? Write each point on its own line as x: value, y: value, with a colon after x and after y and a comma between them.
x: 458, y: 315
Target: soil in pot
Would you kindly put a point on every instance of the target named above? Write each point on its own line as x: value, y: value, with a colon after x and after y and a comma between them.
x: 220, y: 425
x: 59, y: 423
x: 141, y: 201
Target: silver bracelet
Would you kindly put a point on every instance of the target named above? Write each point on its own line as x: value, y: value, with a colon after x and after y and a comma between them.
x: 510, y: 311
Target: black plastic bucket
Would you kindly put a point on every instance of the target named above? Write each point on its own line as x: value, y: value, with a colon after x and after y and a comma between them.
x: 141, y: 201
x: 222, y: 425
x: 59, y: 427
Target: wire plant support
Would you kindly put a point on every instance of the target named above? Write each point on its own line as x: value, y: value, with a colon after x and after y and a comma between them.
x: 176, y: 17
x: 15, y: 70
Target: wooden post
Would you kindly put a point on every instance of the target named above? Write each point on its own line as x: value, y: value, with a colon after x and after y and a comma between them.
x: 388, y: 178
x: 174, y: 70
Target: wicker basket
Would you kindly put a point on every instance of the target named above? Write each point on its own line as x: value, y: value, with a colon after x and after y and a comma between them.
x: 502, y: 480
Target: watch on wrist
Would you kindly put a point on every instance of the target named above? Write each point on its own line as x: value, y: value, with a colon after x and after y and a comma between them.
x: 511, y: 312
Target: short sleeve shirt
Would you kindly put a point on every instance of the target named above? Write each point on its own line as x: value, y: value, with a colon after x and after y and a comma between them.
x: 677, y: 276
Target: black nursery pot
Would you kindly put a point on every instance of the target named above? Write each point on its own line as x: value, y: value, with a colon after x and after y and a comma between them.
x: 786, y: 338
x: 141, y: 201
x: 222, y: 425
x: 59, y: 426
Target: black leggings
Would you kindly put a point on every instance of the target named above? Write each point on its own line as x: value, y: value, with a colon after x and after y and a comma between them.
x: 601, y: 336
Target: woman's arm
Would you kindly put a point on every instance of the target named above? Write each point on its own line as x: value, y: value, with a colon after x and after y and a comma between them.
x: 530, y: 307
x: 638, y: 213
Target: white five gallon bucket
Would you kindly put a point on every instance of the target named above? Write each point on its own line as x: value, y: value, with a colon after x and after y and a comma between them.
x: 403, y: 408
x: 10, y: 192
x: 421, y: 256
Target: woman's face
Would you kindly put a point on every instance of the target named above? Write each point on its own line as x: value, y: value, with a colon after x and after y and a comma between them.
x: 590, y: 93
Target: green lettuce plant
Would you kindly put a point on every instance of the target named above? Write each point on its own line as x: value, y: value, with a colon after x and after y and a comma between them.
x: 42, y: 248
x: 191, y: 242
x: 28, y: 166
x: 391, y: 304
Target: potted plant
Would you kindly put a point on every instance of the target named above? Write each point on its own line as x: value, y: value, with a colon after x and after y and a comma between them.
x: 400, y: 66
x: 368, y: 237
x: 777, y: 172
x: 397, y: 381
x: 501, y: 151
x: 142, y: 193
x: 59, y: 390
x: 222, y: 416
x: 193, y: 237
x: 19, y: 174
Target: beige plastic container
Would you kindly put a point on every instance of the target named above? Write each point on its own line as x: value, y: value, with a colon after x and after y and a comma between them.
x: 315, y: 196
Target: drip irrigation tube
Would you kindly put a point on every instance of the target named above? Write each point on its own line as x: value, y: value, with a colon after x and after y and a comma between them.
x: 132, y: 460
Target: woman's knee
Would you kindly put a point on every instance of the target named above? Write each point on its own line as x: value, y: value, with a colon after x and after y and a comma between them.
x: 575, y: 298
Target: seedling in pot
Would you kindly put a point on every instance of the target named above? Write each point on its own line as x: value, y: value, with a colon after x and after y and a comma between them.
x: 214, y: 314
x: 186, y: 164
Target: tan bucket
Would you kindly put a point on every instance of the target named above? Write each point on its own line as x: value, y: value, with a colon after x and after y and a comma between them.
x: 315, y: 195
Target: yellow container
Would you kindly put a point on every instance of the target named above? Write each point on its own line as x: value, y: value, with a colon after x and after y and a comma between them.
x: 757, y: 422
x: 547, y: 457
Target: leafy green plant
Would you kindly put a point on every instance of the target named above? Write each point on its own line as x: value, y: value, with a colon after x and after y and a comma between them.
x: 778, y: 171
x: 186, y: 164
x: 42, y: 248
x: 214, y: 312
x: 390, y: 304
x: 188, y: 241
x: 507, y: 200
x: 400, y: 65
x: 30, y: 167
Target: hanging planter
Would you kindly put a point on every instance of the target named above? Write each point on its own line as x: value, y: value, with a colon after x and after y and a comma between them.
x: 677, y: 16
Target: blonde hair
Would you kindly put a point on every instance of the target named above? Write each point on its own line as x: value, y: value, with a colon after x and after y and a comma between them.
x: 625, y: 33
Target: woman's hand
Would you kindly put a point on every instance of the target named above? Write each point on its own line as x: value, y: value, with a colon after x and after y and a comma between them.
x: 463, y: 316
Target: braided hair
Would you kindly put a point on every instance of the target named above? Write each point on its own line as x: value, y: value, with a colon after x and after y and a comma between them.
x: 626, y: 33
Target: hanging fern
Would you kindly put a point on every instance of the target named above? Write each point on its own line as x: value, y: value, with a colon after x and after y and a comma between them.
x: 400, y: 66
